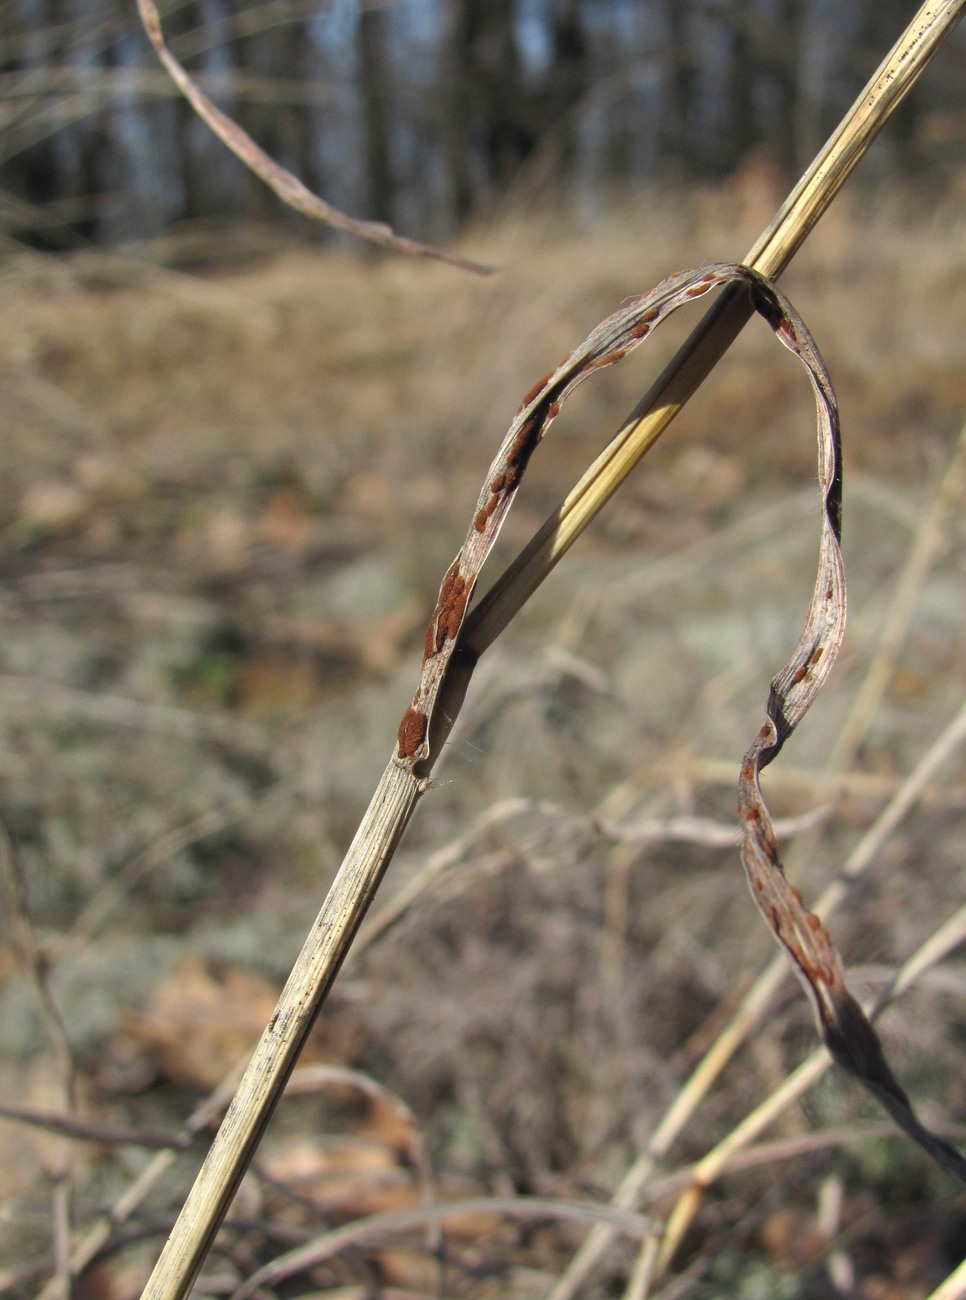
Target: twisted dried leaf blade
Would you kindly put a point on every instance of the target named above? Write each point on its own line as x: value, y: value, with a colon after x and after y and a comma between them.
x: 845, y: 1029
x: 843, y: 1025
x: 449, y: 657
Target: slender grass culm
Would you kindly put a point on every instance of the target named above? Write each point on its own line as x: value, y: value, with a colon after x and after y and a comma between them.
x: 459, y: 632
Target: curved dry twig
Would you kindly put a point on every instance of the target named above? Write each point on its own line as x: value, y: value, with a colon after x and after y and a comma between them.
x: 287, y: 186
x: 363, y: 1231
x: 86, y: 1131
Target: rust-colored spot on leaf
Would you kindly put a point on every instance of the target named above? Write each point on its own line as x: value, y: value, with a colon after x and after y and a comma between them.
x: 453, y: 596
x: 522, y: 449
x: 453, y: 580
x: 479, y: 523
x: 799, y: 675
x: 609, y: 358
x: 817, y: 654
x: 816, y: 971
x: 534, y: 391
x: 412, y: 733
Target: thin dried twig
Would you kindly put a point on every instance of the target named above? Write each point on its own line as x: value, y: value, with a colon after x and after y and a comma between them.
x: 87, y: 1131
x: 873, y: 786
x: 310, y: 1078
x: 165, y: 846
x: 377, y: 1226
x: 767, y: 1153
x: 34, y: 965
x: 99, y: 1234
x: 287, y: 186
x: 927, y: 545
x: 441, y: 862
x: 120, y: 711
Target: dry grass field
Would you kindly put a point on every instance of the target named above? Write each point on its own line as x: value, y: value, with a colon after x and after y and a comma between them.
x: 232, y: 474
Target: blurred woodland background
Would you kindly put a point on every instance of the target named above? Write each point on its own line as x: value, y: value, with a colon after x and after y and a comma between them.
x: 213, y: 613
x: 422, y: 112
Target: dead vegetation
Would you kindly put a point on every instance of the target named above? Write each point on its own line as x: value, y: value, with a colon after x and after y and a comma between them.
x: 213, y: 613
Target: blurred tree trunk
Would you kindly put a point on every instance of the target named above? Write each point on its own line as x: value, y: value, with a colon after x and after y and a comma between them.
x: 485, y: 113
x: 374, y: 87
x: 568, y: 78
x: 282, y: 129
x: 794, y: 18
x: 211, y: 177
x: 675, y: 147
x: 782, y: 60
x: 493, y: 63
x: 742, y: 58
x: 453, y: 116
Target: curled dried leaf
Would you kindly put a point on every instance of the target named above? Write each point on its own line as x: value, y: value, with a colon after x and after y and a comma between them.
x: 845, y: 1029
